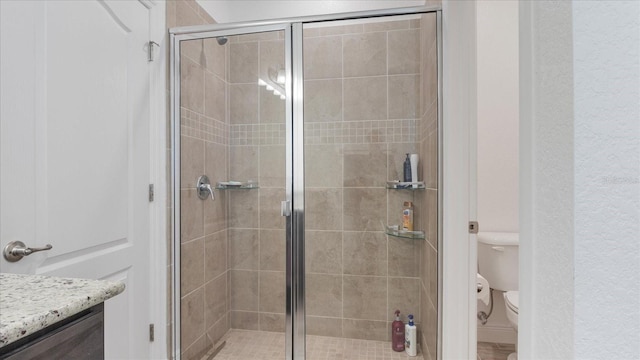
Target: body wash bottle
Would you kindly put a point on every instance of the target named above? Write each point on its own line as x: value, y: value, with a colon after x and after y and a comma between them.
x: 410, y: 335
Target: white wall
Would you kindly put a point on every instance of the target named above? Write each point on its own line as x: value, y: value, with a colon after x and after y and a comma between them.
x: 606, y: 69
x: 580, y: 180
x: 497, y: 37
x: 497, y: 142
x: 225, y: 11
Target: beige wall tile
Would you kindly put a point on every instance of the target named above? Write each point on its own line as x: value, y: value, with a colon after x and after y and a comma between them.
x: 243, y: 163
x: 197, y: 349
x: 365, y: 98
x: 272, y: 292
x: 364, y: 208
x: 404, y: 294
x: 187, y: 15
x: 272, y: 107
x: 397, y: 154
x: 404, y: 51
x: 244, y: 249
x: 432, y: 217
x: 337, y: 29
x: 215, y: 55
x: 215, y: 90
x: 192, y: 321
x: 243, y: 291
x: 323, y: 295
x: 365, y: 165
x: 193, y: 50
x: 271, y: 58
x: 243, y: 104
x: 323, y: 252
x: 192, y: 265
x: 191, y: 85
x: 366, y: 253
x: 216, y: 162
x: 404, y: 257
x: 403, y: 96
x: 432, y: 271
x: 430, y: 329
x: 365, y: 297
x: 323, y: 209
x: 244, y: 320
x: 386, y: 25
x: 272, y: 250
x: 272, y: 322
x: 217, y: 330
x: 322, y: 57
x: 191, y: 161
x: 215, y: 212
x: 215, y: 300
x: 323, y: 100
x: 215, y: 250
x: 365, y: 54
x: 191, y: 215
x: 243, y: 62
x: 366, y: 329
x: 325, y: 165
x: 270, y: 201
x: 324, y: 326
x: 272, y: 166
x: 243, y: 209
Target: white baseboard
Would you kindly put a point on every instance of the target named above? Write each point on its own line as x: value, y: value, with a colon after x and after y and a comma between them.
x: 497, y: 334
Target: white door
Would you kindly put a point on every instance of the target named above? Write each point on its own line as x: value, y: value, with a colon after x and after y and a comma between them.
x: 74, y: 169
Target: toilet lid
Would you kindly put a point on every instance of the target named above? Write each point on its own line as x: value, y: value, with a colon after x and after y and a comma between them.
x: 512, y: 300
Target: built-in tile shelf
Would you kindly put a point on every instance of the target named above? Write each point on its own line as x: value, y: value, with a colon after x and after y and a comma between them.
x: 236, y: 185
x: 416, y: 234
x: 399, y: 185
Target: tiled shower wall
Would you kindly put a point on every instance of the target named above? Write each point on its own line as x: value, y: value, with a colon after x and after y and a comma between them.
x: 428, y: 138
x: 204, y: 146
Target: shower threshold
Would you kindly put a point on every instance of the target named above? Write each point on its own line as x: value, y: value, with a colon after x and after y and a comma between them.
x: 263, y: 345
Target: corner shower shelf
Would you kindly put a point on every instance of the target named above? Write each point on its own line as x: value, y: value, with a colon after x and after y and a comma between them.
x: 399, y: 185
x: 416, y: 234
x: 236, y: 185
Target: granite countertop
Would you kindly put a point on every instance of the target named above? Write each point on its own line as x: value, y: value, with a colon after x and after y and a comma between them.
x: 29, y: 303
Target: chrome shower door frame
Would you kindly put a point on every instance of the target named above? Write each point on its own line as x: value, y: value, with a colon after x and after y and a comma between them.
x: 294, y: 144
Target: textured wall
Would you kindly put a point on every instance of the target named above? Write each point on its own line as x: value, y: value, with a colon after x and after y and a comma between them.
x: 607, y: 179
x: 546, y: 181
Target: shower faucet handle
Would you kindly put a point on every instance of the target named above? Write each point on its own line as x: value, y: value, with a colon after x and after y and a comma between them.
x: 204, y: 188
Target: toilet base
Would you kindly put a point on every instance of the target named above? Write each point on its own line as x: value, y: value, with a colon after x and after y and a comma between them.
x: 513, y: 356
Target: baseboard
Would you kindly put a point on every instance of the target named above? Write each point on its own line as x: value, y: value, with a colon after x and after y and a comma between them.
x: 497, y: 334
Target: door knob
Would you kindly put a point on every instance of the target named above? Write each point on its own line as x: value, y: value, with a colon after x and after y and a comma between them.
x: 16, y: 250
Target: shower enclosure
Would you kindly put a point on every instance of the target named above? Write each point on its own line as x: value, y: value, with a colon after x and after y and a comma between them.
x: 301, y: 127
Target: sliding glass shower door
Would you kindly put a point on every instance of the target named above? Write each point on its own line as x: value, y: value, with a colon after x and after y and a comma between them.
x: 289, y: 142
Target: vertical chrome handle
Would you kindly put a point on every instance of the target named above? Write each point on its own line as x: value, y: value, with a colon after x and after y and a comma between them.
x: 204, y: 188
x: 285, y: 208
x: 16, y: 250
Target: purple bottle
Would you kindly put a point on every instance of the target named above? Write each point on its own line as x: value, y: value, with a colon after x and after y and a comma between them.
x: 397, y: 333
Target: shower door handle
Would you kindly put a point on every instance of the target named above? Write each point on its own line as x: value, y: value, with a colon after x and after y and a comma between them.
x: 285, y: 208
x: 204, y: 188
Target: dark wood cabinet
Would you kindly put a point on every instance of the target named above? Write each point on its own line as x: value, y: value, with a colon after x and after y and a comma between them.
x: 79, y: 337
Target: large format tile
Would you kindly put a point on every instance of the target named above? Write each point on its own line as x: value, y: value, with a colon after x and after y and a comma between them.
x: 404, y: 51
x: 323, y: 252
x: 364, y: 208
x: 215, y: 254
x: 243, y: 62
x: 272, y: 250
x: 323, y: 57
x: 365, y: 165
x: 243, y: 290
x: 365, y: 297
x: 243, y: 249
x: 272, y: 292
x: 365, y: 54
x: 325, y: 165
x: 366, y: 252
x: 365, y: 98
x: 323, y: 100
x: 323, y: 295
x: 192, y: 265
x: 323, y: 209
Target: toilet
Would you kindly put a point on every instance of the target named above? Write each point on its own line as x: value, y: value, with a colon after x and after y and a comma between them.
x: 498, y: 263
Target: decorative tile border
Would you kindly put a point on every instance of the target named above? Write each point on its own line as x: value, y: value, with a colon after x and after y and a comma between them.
x: 202, y: 127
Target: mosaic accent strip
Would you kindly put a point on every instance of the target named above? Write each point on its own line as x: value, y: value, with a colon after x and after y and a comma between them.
x: 347, y: 132
x: 202, y: 127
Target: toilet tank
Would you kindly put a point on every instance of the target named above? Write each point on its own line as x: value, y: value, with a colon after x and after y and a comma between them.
x: 498, y: 259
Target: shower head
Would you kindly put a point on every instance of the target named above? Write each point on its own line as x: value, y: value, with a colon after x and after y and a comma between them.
x: 222, y: 40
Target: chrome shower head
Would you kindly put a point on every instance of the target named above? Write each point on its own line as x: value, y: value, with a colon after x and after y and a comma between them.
x: 222, y: 40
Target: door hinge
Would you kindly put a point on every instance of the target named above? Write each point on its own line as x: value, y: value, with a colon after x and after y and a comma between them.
x: 473, y: 227
x: 150, y: 50
x: 151, y: 193
x: 152, y: 334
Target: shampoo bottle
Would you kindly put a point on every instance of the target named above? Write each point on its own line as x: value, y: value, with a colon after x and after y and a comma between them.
x: 407, y: 216
x: 397, y: 334
x: 407, y: 169
x: 410, y: 335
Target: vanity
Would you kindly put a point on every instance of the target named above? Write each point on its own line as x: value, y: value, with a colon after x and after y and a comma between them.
x: 43, y: 317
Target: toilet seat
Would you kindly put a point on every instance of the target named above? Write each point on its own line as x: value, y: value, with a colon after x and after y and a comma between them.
x: 511, y: 300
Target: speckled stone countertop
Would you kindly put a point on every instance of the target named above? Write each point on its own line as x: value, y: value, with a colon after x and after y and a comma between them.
x: 29, y: 303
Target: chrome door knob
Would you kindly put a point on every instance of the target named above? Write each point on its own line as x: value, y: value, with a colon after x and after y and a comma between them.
x: 16, y: 250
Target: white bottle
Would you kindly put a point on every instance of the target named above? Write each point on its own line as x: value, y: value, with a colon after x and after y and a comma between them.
x: 410, y: 332
x: 413, y: 159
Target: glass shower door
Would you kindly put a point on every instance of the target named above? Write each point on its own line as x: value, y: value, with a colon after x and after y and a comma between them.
x: 370, y: 98
x: 231, y: 252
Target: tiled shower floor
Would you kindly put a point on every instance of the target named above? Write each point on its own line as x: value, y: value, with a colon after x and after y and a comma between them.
x: 260, y: 345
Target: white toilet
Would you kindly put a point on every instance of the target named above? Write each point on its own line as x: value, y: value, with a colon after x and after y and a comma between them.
x: 498, y: 263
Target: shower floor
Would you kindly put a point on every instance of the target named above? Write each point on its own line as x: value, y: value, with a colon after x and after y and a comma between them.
x: 261, y: 345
